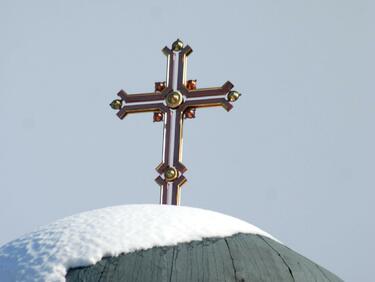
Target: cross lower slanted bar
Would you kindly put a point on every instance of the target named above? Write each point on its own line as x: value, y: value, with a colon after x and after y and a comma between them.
x: 173, y: 101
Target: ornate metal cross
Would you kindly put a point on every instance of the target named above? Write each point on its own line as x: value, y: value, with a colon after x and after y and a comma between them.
x: 173, y: 101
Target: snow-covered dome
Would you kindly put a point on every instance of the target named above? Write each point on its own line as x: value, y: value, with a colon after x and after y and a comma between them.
x: 153, y: 243
x: 86, y: 238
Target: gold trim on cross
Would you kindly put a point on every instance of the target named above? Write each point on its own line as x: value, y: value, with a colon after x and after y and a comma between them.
x: 173, y: 101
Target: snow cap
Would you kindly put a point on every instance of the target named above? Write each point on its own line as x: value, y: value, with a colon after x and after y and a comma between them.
x: 84, y: 239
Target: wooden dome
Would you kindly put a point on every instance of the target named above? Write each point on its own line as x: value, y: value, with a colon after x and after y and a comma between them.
x: 240, y: 257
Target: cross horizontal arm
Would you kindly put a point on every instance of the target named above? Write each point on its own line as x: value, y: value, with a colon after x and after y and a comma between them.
x: 132, y: 109
x: 207, y: 103
x: 207, y: 92
x: 143, y: 97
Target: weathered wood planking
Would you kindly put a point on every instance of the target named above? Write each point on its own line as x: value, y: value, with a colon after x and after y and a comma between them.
x: 238, y: 258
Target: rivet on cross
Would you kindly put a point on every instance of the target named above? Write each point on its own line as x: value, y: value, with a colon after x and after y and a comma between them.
x: 173, y: 101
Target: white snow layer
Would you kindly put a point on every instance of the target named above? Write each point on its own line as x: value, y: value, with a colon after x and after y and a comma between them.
x: 83, y: 239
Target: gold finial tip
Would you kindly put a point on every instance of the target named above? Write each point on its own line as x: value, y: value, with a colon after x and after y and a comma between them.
x: 116, y: 104
x: 233, y: 96
x: 177, y: 45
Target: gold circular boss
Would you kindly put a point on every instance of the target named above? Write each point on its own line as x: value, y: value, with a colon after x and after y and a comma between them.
x: 171, y: 173
x: 174, y: 99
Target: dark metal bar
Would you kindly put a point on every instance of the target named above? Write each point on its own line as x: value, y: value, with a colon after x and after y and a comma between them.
x: 166, y: 142
x: 207, y: 103
x: 177, y: 153
x: 167, y: 114
x: 163, y: 190
x: 142, y: 97
x: 125, y: 110
x: 182, y: 66
x: 176, y: 190
x: 213, y: 91
x: 170, y: 66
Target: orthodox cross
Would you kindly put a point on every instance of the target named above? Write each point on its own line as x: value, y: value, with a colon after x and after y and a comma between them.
x: 171, y: 102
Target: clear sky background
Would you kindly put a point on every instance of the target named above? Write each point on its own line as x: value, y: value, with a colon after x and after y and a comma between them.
x: 295, y: 157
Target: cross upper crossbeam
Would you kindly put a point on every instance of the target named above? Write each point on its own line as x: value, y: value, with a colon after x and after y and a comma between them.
x: 171, y: 102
